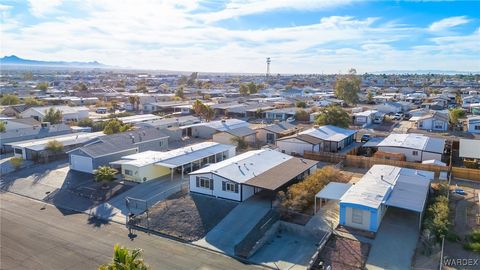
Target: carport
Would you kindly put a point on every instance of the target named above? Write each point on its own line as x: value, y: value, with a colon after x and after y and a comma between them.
x: 410, y: 193
x: 332, y: 191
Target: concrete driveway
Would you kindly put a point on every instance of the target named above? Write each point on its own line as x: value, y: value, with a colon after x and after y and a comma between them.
x: 236, y: 225
x: 152, y: 191
x: 395, y: 242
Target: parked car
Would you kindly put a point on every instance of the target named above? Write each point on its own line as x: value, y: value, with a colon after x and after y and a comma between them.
x: 365, y: 138
x: 290, y: 119
x: 398, y: 116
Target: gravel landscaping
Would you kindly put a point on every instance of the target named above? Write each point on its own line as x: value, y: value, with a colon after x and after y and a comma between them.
x: 186, y: 216
x: 344, y: 253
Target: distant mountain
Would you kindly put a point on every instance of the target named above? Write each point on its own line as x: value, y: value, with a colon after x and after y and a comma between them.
x: 15, y: 60
x: 422, y: 72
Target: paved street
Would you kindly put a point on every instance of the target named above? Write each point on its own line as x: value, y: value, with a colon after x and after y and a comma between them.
x: 35, y: 235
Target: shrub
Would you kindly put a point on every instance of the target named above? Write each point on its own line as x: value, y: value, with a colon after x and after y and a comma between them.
x: 437, y: 217
x: 54, y: 146
x: 472, y: 246
x: 16, y: 162
x: 300, y: 196
x: 104, y: 174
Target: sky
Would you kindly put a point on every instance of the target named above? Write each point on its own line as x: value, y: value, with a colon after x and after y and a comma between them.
x: 300, y: 36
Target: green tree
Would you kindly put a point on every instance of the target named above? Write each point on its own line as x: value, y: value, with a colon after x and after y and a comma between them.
x: 53, y: 116
x: 32, y: 101
x: 301, y: 104
x: 180, y: 93
x: 208, y: 112
x: 252, y: 88
x: 302, y: 115
x: 81, y: 87
x: 347, y: 88
x: 16, y: 162
x: 243, y: 89
x: 42, y: 86
x: 135, y: 101
x: 114, y: 126
x: 104, y: 174
x: 142, y: 86
x: 369, y: 97
x: 2, y: 126
x: 333, y: 115
x: 197, y: 107
x: 86, y: 122
x: 240, y: 142
x: 192, y: 79
x: 54, y: 146
x: 182, y: 80
x: 455, y: 114
x: 125, y: 259
x: 9, y: 99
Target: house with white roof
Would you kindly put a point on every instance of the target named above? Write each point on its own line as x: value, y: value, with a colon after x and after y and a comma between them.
x: 364, y: 204
x: 415, y: 147
x: 469, y: 149
x: 318, y: 139
x: 240, y: 177
x: 68, y: 113
x: 364, y: 118
x: 205, y: 130
x: 148, y: 165
x: 431, y: 120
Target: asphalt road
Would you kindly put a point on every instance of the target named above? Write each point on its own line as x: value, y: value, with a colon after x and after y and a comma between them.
x: 35, y: 235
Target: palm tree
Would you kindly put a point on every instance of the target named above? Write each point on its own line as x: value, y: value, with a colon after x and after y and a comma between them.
x: 240, y: 142
x: 104, y: 174
x: 208, y: 113
x: 125, y: 259
x: 135, y: 101
x: 197, y: 107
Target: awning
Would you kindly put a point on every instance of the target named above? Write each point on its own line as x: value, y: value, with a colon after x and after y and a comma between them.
x: 333, y: 191
x: 409, y: 193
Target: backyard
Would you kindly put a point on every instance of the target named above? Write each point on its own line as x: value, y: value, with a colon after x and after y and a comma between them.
x: 185, y: 216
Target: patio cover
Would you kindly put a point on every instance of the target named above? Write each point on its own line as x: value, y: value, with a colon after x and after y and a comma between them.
x: 409, y: 193
x: 333, y: 191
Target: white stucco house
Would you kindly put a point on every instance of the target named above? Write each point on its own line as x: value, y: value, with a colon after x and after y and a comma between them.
x: 473, y: 124
x: 69, y: 113
x: 415, y: 147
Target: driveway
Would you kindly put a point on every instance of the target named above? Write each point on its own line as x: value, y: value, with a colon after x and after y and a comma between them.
x: 152, y: 192
x: 395, y: 242
x: 236, y: 225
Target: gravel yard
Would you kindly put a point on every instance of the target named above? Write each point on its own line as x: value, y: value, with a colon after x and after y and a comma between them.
x: 186, y: 216
x: 344, y: 253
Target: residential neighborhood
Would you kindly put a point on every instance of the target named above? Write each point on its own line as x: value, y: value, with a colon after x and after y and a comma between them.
x: 337, y: 162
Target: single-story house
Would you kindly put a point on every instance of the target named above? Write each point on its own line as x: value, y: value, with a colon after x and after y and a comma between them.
x: 14, y: 110
x: 469, y: 149
x: 473, y: 124
x: 34, y: 132
x: 281, y: 114
x: 170, y: 122
x: 35, y: 149
x: 205, y: 130
x: 364, y: 118
x: 19, y: 123
x: 364, y: 204
x: 415, y: 147
x: 139, y: 118
x: 242, y: 176
x: 229, y: 136
x: 433, y: 120
x: 270, y: 133
x: 318, y: 139
x: 150, y: 165
x: 113, y: 147
x: 68, y: 113
x: 389, y: 107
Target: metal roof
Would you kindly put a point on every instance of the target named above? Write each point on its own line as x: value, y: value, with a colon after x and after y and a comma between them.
x: 329, y: 133
x: 66, y: 140
x: 333, y: 191
x: 177, y: 157
x: 241, y: 131
x: 414, y: 141
x: 221, y: 125
x: 375, y: 186
x: 469, y: 148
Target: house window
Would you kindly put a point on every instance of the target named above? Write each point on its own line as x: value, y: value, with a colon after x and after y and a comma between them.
x: 204, y: 182
x: 229, y: 186
x: 160, y: 143
x: 477, y: 127
x: 129, y: 172
x: 438, y: 126
x: 357, y: 216
x: 415, y: 153
x: 18, y: 151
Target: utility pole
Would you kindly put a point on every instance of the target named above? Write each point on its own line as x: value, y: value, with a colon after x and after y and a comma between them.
x: 268, y: 67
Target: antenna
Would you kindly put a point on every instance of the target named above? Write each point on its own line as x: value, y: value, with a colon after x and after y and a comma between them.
x: 268, y: 66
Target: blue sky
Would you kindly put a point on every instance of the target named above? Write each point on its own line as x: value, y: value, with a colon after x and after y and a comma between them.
x: 300, y: 36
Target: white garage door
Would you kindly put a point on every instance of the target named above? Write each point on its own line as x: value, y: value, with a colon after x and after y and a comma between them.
x: 81, y: 163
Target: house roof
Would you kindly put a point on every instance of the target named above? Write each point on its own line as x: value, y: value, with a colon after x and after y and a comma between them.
x: 329, y: 133
x: 122, y: 141
x: 469, y: 148
x: 176, y: 157
x: 26, y: 121
x: 366, y: 113
x: 251, y: 164
x: 66, y: 140
x: 333, y: 191
x: 376, y: 186
x: 221, y: 125
x: 281, y: 127
x: 139, y: 118
x: 414, y: 141
x: 240, y: 132
x: 62, y: 108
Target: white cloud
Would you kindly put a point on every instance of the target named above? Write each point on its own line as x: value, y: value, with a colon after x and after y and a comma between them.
x: 40, y: 8
x: 5, y: 7
x: 447, y: 23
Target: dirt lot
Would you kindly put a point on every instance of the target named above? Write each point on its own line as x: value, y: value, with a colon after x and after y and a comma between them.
x: 464, y: 219
x: 344, y: 253
x: 186, y: 216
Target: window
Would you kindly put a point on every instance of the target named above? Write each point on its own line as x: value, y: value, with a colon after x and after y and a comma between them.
x: 477, y: 127
x: 415, y: 153
x: 204, y: 182
x: 160, y: 143
x: 229, y: 186
x: 129, y: 172
x: 357, y: 216
x: 18, y: 151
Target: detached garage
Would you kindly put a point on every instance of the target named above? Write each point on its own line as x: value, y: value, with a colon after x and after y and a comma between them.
x: 81, y: 163
x: 365, y: 203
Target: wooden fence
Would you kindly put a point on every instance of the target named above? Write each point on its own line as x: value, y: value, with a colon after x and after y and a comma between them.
x: 367, y: 162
